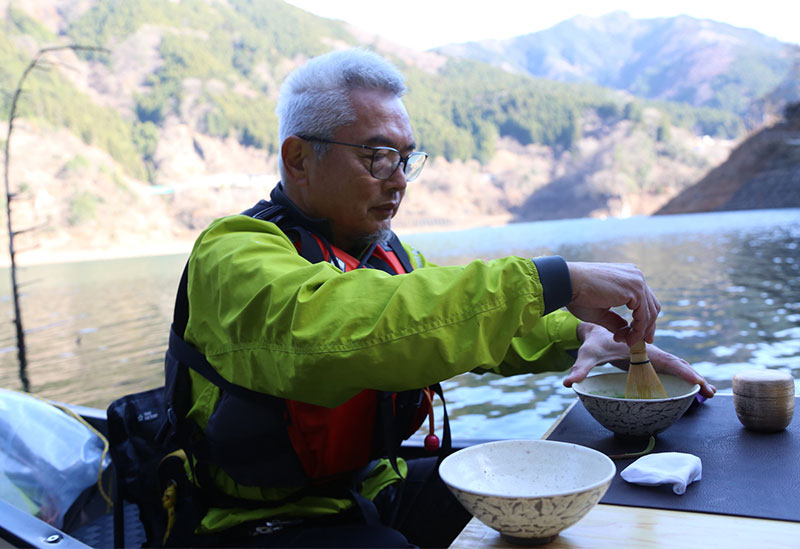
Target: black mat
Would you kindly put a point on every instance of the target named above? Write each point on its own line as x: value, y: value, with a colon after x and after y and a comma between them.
x: 744, y: 473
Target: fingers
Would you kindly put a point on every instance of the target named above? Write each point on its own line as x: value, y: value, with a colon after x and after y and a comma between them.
x: 653, y: 309
x: 668, y: 363
x: 707, y: 390
x: 570, y: 379
x: 599, y: 287
x: 596, y: 348
x: 606, y: 318
x: 579, y: 371
x: 690, y: 375
x: 645, y: 313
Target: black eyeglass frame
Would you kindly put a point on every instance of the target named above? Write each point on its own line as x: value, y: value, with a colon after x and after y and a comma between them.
x: 403, y: 159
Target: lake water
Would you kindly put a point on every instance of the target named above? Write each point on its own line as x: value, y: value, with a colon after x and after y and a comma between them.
x: 729, y: 284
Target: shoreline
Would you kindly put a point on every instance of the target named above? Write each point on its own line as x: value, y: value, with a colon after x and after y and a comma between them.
x: 45, y: 256
x: 38, y: 257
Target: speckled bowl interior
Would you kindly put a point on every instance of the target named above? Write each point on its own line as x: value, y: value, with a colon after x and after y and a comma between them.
x: 528, y: 490
x: 603, y: 396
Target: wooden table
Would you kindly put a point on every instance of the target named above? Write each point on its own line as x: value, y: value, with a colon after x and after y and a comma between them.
x: 636, y: 527
x: 622, y: 527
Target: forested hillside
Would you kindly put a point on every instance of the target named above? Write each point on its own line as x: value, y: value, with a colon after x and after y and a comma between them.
x: 174, y: 124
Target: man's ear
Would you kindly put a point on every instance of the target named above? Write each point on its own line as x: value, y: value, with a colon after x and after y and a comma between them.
x: 295, y: 154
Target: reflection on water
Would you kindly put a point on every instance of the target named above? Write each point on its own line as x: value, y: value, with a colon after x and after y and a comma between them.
x: 729, y: 285
x: 94, y: 330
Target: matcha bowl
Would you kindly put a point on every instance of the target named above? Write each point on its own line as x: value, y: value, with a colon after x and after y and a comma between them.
x: 528, y: 490
x: 603, y: 396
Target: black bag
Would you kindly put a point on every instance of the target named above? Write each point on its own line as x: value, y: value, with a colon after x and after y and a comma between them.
x: 135, y: 426
x: 148, y: 461
x: 150, y: 465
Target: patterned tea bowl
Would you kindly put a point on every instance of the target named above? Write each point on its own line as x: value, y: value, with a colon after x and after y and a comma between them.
x: 528, y: 490
x: 603, y: 396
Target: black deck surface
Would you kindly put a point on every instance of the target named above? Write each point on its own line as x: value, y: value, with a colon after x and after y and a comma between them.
x: 100, y: 533
x: 745, y: 473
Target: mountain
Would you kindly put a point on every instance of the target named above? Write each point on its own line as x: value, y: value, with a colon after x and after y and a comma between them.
x: 769, y: 108
x: 173, y: 125
x: 696, y: 61
x: 763, y: 172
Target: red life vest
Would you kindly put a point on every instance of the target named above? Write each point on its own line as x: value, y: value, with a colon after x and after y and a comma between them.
x: 330, y: 441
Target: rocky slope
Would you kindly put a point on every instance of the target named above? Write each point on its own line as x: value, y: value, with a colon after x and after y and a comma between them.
x: 762, y: 172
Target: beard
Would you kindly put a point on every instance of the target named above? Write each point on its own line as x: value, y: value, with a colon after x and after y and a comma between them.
x: 378, y: 237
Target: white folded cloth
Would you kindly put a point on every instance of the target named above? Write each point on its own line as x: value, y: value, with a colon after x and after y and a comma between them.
x: 665, y: 467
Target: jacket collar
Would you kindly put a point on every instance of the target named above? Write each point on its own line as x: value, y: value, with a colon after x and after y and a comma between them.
x: 319, y: 226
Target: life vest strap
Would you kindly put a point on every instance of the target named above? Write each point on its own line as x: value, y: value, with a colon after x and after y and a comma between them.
x: 194, y: 359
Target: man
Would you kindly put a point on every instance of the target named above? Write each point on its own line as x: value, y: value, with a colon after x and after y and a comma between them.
x: 311, y: 299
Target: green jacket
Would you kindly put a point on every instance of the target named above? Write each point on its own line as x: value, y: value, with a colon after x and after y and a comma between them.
x: 269, y: 320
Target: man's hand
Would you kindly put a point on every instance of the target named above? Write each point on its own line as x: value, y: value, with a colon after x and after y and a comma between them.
x: 598, y: 347
x: 597, y: 287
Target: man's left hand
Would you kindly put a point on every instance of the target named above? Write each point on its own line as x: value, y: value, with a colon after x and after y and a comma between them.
x: 598, y: 347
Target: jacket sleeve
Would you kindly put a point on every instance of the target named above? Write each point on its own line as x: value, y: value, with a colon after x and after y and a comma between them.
x: 269, y: 320
x: 544, y: 349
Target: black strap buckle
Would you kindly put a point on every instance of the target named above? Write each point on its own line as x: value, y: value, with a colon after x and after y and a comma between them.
x: 272, y: 526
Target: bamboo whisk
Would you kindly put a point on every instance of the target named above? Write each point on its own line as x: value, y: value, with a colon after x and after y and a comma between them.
x: 642, y: 379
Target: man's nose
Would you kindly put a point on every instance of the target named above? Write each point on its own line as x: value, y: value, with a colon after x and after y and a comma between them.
x: 398, y: 180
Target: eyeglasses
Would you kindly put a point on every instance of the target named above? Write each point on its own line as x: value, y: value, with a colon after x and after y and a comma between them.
x: 385, y: 160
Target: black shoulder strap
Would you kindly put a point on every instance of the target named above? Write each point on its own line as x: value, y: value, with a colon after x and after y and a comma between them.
x: 184, y: 352
x: 400, y: 252
x: 188, y: 355
x: 266, y: 211
x: 447, y: 440
x: 180, y: 314
x: 280, y: 215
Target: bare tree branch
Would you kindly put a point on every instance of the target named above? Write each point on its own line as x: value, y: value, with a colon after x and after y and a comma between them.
x: 35, y: 63
x: 29, y: 229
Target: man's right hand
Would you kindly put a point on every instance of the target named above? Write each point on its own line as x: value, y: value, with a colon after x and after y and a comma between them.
x: 598, y: 287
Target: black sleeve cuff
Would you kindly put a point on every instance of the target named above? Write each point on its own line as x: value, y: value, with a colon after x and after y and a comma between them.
x: 556, y: 284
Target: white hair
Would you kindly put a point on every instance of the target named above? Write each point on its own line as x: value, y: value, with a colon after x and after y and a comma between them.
x: 315, y: 98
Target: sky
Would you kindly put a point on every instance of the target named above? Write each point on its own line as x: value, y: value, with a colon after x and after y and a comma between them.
x: 423, y: 24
